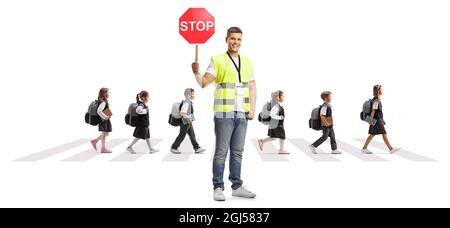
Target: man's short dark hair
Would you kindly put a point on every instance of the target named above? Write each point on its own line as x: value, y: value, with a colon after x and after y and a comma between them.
x: 233, y: 30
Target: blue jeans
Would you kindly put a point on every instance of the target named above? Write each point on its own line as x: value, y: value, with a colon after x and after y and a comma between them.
x: 230, y: 135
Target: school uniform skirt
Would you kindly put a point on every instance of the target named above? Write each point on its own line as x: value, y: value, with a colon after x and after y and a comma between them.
x: 105, y: 126
x: 142, y: 132
x: 278, y: 133
x: 377, y: 129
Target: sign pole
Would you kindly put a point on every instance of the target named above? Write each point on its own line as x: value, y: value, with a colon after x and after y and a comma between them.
x: 196, y: 53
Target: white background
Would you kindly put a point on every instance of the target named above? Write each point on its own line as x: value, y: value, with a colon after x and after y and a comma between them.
x: 55, y: 55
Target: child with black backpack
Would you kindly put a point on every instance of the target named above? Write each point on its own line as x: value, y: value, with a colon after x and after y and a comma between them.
x: 276, y: 122
x: 326, y: 118
x: 376, y: 121
x: 104, y: 114
x: 186, y: 125
x: 142, y: 130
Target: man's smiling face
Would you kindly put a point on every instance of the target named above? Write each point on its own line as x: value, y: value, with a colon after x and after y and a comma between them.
x: 234, y: 41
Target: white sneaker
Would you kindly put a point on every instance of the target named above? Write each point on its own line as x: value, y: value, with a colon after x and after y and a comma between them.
x: 312, y: 149
x: 394, y: 150
x: 152, y: 150
x: 243, y: 192
x: 218, y: 195
x: 336, y: 152
x: 130, y: 149
x: 366, y: 151
x: 175, y: 151
x: 199, y: 150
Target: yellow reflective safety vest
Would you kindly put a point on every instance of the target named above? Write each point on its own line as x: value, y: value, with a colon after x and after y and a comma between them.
x: 226, y: 77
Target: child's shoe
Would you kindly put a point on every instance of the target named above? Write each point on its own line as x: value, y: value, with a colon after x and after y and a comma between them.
x: 105, y: 151
x: 312, y: 149
x: 131, y: 150
x: 394, y: 150
x: 153, y: 150
x: 94, y: 144
x: 336, y: 152
x: 175, y: 151
x: 199, y: 150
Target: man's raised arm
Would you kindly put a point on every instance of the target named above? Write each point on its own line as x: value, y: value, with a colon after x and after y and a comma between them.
x: 204, y: 80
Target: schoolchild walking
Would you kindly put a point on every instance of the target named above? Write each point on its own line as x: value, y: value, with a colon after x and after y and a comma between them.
x: 276, y: 123
x: 142, y: 130
x: 104, y: 126
x: 377, y: 123
x: 326, y: 117
x: 187, y: 127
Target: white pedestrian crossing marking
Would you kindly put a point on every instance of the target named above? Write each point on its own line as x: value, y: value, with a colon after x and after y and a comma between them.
x: 270, y: 153
x: 321, y: 156
x: 352, y: 150
x: 53, y: 151
x: 89, y: 154
x: 186, y: 150
x: 141, y: 149
x: 402, y: 153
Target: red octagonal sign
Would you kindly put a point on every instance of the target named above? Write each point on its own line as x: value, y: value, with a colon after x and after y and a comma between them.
x: 197, y: 25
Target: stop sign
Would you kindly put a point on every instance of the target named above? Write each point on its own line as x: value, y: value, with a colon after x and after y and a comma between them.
x: 196, y: 25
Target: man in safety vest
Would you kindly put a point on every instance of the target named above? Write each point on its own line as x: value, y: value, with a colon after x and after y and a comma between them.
x: 234, y: 105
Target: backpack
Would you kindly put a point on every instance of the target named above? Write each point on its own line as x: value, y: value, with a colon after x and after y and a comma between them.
x: 91, y: 117
x: 131, y: 118
x: 264, y: 115
x: 175, y: 116
x: 366, y: 109
x: 315, y: 121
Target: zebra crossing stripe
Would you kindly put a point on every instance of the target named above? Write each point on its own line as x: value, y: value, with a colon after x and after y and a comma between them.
x: 302, y: 145
x: 270, y: 152
x: 354, y: 151
x: 186, y: 150
x: 139, y: 148
x: 89, y: 154
x: 52, y: 151
x: 402, y: 153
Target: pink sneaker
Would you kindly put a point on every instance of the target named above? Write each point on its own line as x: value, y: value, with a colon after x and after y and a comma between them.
x: 105, y: 151
x: 94, y: 144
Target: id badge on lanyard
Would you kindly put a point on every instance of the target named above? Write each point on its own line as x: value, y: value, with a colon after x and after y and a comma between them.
x: 240, y: 90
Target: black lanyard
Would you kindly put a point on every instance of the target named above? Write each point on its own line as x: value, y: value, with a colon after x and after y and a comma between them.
x: 238, y: 68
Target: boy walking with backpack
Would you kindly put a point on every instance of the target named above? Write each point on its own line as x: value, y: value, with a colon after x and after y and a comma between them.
x: 186, y: 127
x: 142, y: 130
x: 276, y: 122
x: 326, y: 117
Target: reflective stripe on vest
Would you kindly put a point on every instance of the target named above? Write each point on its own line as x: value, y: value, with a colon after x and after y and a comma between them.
x: 226, y: 77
